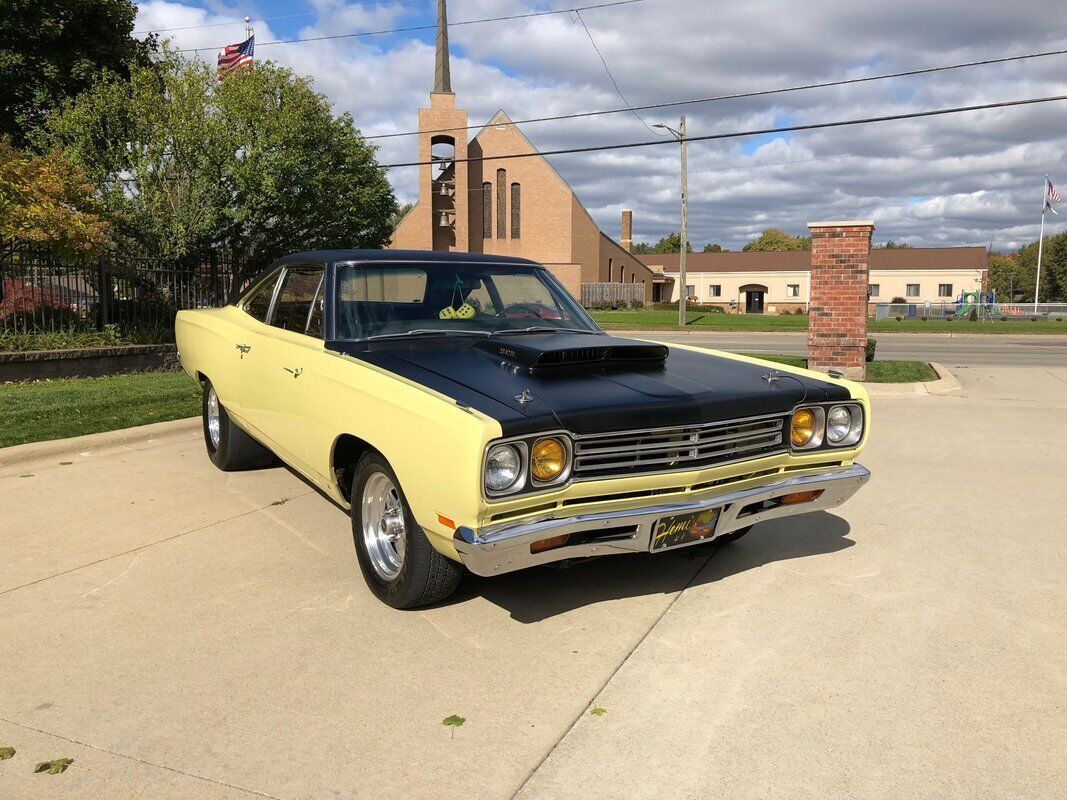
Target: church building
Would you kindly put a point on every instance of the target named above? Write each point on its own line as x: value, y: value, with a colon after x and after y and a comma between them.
x: 474, y: 198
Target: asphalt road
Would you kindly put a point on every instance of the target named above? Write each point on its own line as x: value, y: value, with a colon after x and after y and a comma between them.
x: 947, y: 349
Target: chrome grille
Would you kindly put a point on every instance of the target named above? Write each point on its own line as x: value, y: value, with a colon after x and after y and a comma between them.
x: 605, y: 455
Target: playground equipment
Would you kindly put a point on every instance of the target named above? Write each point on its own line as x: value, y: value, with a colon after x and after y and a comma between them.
x: 984, y: 303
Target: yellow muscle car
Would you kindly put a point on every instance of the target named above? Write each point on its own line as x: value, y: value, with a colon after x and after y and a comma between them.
x: 470, y: 414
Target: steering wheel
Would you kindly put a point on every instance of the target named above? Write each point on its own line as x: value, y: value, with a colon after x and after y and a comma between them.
x: 524, y: 311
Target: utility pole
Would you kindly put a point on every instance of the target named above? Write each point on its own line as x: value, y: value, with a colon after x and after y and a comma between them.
x: 684, y: 236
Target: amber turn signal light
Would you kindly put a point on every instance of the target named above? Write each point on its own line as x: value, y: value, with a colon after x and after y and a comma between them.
x: 803, y: 427
x: 550, y: 544
x: 800, y: 497
x: 548, y: 458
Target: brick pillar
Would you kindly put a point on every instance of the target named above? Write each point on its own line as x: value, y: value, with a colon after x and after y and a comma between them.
x: 837, y: 319
x: 627, y: 231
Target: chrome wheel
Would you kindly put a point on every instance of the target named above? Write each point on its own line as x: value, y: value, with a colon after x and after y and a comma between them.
x: 213, y: 421
x: 384, y: 535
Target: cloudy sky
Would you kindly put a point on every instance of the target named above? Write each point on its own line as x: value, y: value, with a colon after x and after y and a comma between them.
x: 964, y: 179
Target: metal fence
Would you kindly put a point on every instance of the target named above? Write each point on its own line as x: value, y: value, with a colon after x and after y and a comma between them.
x: 980, y: 311
x: 40, y: 291
x: 613, y: 295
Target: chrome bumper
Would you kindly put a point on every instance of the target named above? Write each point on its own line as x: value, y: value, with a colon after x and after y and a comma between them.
x: 501, y: 548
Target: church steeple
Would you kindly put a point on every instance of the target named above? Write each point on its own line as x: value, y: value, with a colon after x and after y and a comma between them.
x: 442, y: 78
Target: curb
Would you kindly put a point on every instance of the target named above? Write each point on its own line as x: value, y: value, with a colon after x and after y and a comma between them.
x: 93, y: 443
x: 946, y: 382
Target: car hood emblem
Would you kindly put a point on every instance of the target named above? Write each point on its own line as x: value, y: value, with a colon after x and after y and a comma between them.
x: 524, y: 397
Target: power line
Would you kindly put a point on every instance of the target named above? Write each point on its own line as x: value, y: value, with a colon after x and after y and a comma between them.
x: 412, y: 28
x: 739, y: 134
x: 611, y: 77
x: 743, y: 95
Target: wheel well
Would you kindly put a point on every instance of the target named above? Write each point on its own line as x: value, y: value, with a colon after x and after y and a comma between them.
x: 201, y: 378
x: 347, y: 451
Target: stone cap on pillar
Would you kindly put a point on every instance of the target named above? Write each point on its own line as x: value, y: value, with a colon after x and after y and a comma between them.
x: 850, y: 223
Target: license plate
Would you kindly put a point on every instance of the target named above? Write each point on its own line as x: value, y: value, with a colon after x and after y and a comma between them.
x: 685, y: 529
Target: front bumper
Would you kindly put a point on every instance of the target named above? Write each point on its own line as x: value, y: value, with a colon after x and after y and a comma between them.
x: 496, y: 549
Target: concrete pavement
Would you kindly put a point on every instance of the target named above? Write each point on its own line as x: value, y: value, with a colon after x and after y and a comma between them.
x: 949, y: 349
x: 186, y: 633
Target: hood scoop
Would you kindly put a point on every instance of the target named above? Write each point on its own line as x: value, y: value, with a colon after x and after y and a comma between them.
x: 556, y: 351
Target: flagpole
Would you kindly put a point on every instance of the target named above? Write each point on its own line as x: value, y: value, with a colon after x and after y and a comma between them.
x: 248, y: 28
x: 1041, y: 240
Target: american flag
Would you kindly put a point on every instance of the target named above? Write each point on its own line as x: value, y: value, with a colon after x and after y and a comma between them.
x: 235, y: 56
x: 1053, y: 195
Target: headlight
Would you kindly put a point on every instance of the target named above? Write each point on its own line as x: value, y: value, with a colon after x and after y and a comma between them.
x: 802, y: 431
x: 548, y: 459
x: 844, y: 425
x: 838, y: 424
x: 503, y: 466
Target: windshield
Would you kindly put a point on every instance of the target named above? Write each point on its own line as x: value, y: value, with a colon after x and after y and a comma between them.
x: 378, y: 300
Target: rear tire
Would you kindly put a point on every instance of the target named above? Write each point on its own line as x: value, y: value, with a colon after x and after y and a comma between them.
x: 229, y: 448
x: 732, y: 536
x: 398, y: 562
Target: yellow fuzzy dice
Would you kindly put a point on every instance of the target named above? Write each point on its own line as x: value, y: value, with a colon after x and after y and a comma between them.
x: 447, y: 313
x: 465, y: 311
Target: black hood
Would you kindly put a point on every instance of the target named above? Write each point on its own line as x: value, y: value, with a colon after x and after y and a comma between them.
x: 588, y: 383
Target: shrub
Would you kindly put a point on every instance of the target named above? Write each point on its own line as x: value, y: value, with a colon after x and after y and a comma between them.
x: 973, y: 316
x: 60, y: 340
x: 899, y: 319
x: 1034, y: 318
x: 1059, y: 319
x: 898, y: 300
x: 637, y: 305
x: 868, y: 351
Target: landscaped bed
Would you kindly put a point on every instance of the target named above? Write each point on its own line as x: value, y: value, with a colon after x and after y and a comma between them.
x: 659, y: 320
x: 35, y: 412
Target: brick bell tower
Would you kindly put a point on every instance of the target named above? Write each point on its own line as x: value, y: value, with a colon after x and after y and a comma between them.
x: 441, y: 216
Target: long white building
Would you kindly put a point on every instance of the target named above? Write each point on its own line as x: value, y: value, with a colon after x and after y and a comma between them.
x: 778, y: 282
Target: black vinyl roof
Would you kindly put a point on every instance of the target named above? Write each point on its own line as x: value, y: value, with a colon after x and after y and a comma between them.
x: 422, y: 256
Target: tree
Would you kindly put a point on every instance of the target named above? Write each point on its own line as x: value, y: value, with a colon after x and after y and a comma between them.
x: 671, y: 243
x: 714, y: 248
x: 259, y: 162
x: 1007, y: 277
x: 54, y: 49
x: 891, y: 245
x: 776, y: 239
x: 401, y: 212
x: 1053, y: 269
x: 46, y: 199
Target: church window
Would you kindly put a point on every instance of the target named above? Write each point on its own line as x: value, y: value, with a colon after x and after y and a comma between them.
x: 501, y: 204
x: 516, y: 200
x: 487, y: 210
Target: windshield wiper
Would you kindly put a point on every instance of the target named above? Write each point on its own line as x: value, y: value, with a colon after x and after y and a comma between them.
x: 426, y: 332
x: 540, y: 329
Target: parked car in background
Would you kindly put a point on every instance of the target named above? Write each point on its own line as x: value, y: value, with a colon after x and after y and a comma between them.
x: 469, y: 413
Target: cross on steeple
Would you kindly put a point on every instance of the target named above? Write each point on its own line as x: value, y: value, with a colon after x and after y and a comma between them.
x: 442, y: 78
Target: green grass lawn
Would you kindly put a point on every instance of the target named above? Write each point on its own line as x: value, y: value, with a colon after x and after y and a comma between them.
x: 651, y: 320
x: 35, y: 412
x: 877, y: 371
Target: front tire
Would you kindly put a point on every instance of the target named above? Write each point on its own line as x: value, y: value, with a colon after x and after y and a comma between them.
x: 398, y: 562
x: 229, y: 447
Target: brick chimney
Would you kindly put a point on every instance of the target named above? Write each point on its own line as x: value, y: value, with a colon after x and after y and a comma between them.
x: 628, y: 230
x: 837, y: 319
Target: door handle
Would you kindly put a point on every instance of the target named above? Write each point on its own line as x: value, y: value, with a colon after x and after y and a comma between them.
x: 294, y: 372
x: 244, y: 348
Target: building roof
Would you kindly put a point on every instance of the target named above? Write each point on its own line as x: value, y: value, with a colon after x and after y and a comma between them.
x: 902, y: 258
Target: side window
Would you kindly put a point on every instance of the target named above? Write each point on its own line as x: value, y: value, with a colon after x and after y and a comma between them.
x: 315, y: 316
x: 258, y: 303
x: 292, y: 311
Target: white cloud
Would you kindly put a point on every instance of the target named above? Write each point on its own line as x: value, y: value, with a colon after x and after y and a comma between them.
x: 959, y: 179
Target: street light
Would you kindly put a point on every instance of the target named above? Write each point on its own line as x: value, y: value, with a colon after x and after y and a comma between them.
x: 680, y: 136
